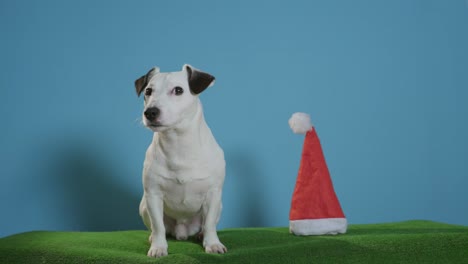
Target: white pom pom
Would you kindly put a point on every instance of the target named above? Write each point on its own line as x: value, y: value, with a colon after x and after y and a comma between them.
x: 300, y: 123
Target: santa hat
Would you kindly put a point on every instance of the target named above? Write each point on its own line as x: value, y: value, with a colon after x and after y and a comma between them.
x: 315, y: 209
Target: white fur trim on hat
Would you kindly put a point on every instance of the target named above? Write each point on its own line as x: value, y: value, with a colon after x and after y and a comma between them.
x: 300, y: 123
x: 323, y: 226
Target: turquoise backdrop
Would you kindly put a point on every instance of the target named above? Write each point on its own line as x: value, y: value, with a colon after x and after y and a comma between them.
x: 385, y: 82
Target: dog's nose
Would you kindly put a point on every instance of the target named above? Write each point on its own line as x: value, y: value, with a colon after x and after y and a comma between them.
x: 152, y: 113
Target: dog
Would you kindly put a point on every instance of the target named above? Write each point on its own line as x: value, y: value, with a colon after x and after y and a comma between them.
x: 184, y: 167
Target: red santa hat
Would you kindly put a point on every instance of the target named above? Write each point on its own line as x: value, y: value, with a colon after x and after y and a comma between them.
x: 315, y: 209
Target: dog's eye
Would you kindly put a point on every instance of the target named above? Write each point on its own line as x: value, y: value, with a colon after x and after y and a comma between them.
x: 178, y: 90
x: 148, y: 91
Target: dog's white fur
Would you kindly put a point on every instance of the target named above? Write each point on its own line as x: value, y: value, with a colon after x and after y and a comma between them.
x: 184, y: 168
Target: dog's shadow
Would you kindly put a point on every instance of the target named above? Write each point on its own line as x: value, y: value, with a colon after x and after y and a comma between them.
x: 90, y: 193
x: 243, y: 178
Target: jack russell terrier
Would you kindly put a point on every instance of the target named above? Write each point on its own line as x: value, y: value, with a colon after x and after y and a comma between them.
x: 184, y: 168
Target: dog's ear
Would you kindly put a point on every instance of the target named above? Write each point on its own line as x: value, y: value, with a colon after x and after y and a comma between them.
x: 198, y: 81
x: 142, y: 82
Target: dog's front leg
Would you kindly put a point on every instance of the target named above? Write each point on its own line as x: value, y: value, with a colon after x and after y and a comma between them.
x: 211, y: 213
x: 158, y: 232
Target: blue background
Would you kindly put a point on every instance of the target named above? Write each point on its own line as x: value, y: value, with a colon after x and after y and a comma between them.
x: 385, y: 82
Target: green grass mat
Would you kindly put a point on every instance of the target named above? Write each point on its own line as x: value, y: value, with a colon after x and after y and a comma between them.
x: 404, y: 242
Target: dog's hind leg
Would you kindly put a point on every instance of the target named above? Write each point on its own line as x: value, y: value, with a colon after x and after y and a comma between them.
x: 181, y: 232
x: 194, y: 227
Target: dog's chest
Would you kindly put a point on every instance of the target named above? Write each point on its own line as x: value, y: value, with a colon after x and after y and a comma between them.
x: 185, y: 185
x: 184, y: 194
x: 184, y: 174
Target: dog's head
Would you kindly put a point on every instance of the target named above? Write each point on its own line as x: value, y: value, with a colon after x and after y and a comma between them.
x: 171, y: 97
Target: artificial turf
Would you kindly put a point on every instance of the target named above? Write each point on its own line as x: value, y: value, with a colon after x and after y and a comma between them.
x: 402, y: 242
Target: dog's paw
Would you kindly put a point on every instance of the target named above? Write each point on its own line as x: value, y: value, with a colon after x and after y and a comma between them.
x: 157, y: 252
x: 216, y: 248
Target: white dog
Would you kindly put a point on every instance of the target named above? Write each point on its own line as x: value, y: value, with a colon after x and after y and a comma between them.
x: 184, y: 168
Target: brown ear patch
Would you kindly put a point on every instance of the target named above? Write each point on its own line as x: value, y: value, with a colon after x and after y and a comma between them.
x: 198, y: 80
x: 142, y: 82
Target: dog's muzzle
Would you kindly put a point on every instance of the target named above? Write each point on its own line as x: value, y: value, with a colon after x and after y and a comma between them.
x: 152, y: 113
